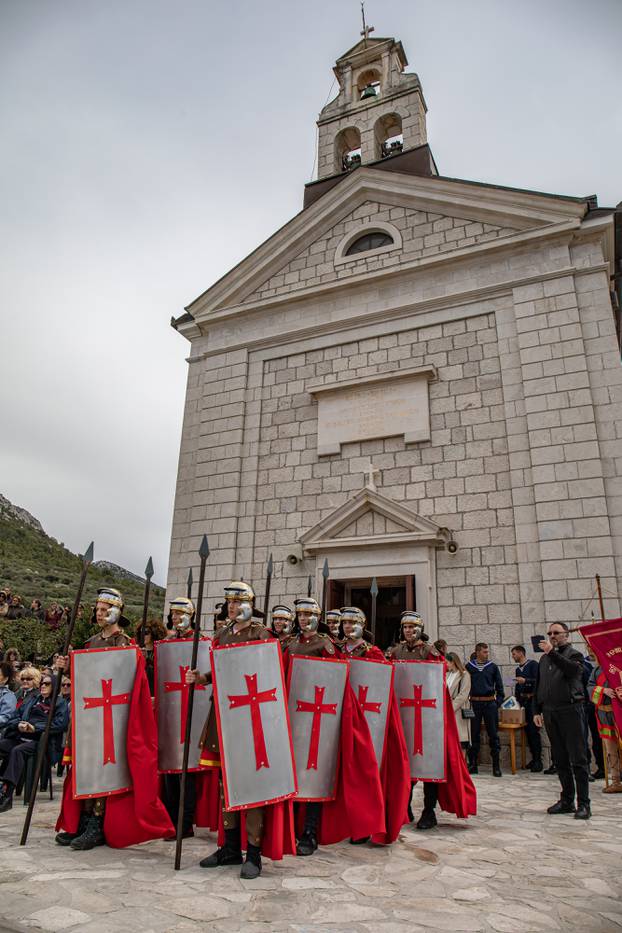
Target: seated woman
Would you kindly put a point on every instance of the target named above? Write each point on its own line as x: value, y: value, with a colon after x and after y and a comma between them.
x: 22, y: 735
x: 7, y: 697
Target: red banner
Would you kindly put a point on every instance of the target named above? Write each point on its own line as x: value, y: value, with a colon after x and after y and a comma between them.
x: 605, y: 640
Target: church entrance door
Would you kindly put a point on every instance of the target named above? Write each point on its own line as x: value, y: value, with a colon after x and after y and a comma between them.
x: 394, y: 596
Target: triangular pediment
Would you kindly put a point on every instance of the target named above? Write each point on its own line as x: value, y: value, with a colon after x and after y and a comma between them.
x: 516, y: 213
x: 370, y: 518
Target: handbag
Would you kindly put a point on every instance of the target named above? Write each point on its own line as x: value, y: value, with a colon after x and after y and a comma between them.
x: 467, y: 712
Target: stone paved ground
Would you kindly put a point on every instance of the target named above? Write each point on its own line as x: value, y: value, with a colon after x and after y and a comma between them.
x: 510, y: 870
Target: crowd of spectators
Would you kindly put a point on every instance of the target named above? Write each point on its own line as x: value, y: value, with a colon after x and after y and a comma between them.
x: 12, y: 607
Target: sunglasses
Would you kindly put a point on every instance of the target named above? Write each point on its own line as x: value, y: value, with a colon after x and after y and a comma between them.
x: 556, y: 633
x: 46, y: 683
x: 25, y: 678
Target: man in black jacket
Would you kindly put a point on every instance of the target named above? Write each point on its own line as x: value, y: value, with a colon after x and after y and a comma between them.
x: 558, y: 702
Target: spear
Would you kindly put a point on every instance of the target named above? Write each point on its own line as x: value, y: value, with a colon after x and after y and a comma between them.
x: 325, y: 575
x: 266, y: 602
x: 87, y: 560
x: 148, y: 576
x: 309, y: 585
x: 203, y: 554
x: 374, y: 596
x: 189, y: 585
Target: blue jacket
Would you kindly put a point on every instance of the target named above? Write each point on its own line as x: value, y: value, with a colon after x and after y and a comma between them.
x: 486, y: 682
x: 8, y: 703
x: 35, y: 710
x: 529, y: 671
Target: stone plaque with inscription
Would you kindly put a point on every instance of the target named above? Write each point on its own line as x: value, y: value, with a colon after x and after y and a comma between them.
x: 387, y: 405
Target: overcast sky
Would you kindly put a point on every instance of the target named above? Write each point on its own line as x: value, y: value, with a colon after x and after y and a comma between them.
x: 149, y: 145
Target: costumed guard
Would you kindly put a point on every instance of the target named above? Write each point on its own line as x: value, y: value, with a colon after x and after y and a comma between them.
x: 263, y: 825
x: 282, y: 624
x: 309, y: 642
x: 138, y: 814
x: 456, y: 793
x: 394, y: 765
x: 354, y: 645
x: 333, y: 621
x: 180, y: 624
x: 414, y: 642
x: 357, y: 811
x: 602, y: 694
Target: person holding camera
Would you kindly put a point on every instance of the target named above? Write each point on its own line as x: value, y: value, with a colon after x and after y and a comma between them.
x: 526, y: 674
x: 558, y: 705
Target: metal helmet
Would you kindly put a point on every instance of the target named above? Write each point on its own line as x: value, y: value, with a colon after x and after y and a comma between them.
x: 333, y: 620
x: 112, y: 598
x: 309, y: 604
x: 410, y: 617
x: 239, y: 590
x: 186, y: 607
x: 357, y: 618
x: 284, y: 614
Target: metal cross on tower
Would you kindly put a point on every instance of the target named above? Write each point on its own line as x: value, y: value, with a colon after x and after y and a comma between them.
x: 366, y: 29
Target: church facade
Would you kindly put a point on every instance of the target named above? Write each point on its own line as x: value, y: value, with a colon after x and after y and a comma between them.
x: 416, y: 380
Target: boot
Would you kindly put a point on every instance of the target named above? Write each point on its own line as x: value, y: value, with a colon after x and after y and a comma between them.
x: 6, y: 798
x: 360, y: 842
x: 599, y: 775
x: 92, y: 836
x: 65, y: 839
x: 536, y: 767
x: 427, y: 820
x: 229, y: 854
x: 307, y: 844
x: 252, y: 866
x: 551, y: 770
x: 473, y: 764
x: 561, y: 807
x: 496, y: 770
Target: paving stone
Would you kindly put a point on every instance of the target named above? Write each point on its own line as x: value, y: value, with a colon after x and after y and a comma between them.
x: 477, y: 875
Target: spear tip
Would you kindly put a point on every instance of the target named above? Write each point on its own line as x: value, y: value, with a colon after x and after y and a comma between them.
x: 88, y: 554
x: 204, y: 549
x: 374, y: 587
x: 325, y: 571
x: 149, y: 569
x: 270, y: 565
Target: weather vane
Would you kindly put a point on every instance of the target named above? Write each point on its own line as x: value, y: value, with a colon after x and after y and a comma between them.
x: 366, y: 29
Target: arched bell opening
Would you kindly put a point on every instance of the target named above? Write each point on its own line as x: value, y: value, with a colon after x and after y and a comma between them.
x: 389, y: 139
x: 368, y: 84
x: 347, y: 149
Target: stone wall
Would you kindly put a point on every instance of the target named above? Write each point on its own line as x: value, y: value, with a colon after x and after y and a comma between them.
x: 524, y: 460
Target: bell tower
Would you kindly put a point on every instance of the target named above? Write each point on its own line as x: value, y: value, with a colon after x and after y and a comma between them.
x: 378, y: 113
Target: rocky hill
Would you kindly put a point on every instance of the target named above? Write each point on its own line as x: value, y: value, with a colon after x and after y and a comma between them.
x: 36, y: 566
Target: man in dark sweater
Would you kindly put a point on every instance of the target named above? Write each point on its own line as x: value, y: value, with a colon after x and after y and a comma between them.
x: 486, y: 698
x: 558, y: 703
x: 526, y: 674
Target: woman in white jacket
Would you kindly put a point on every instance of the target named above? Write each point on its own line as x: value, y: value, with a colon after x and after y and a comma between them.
x: 459, y: 686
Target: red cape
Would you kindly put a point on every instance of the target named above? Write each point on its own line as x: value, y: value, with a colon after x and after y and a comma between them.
x: 358, y: 808
x: 138, y: 815
x: 207, y: 807
x: 457, y: 794
x: 395, y: 778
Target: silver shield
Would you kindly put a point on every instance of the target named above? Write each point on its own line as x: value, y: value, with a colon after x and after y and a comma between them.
x: 102, y: 684
x: 253, y: 725
x: 172, y: 660
x: 420, y: 691
x: 316, y: 689
x: 372, y: 682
